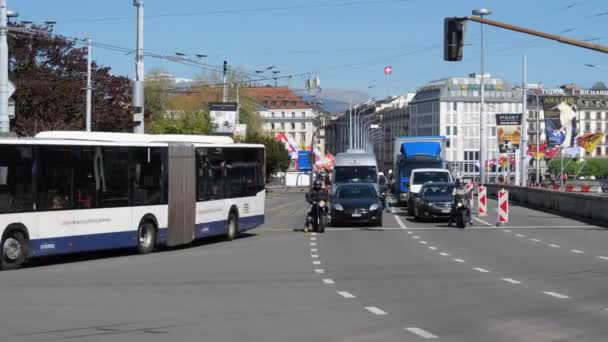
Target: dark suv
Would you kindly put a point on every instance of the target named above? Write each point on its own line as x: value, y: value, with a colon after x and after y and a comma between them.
x: 434, y: 200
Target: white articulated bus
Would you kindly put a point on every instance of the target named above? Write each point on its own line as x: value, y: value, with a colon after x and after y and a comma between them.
x: 68, y: 192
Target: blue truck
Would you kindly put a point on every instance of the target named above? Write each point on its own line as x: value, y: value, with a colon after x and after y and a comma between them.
x: 415, y: 153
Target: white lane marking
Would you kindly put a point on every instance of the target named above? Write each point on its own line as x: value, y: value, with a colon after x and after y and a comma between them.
x: 345, y: 229
x: 423, y: 242
x: 484, y: 222
x: 602, y: 257
x: 555, y: 294
x: 313, y: 243
x: 313, y: 233
x: 313, y: 250
x: 416, y: 237
x: 459, y: 260
x: 535, y: 240
x: 554, y: 245
x: 314, y: 256
x: 512, y: 281
x: 316, y: 262
x: 519, y: 235
x: 328, y: 281
x: 313, y: 239
x: 422, y: 333
x: 375, y: 310
x: 576, y: 251
x: 346, y: 294
x: 432, y: 248
x: 400, y: 222
x: 410, y: 232
x: 506, y: 230
x: 319, y: 271
x: 444, y: 254
x: 482, y: 270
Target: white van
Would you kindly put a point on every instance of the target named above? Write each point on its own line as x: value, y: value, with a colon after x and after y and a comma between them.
x: 421, y: 176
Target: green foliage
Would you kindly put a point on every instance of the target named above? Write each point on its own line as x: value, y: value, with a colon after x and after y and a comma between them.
x: 277, y: 157
x: 186, y: 122
x: 597, y: 167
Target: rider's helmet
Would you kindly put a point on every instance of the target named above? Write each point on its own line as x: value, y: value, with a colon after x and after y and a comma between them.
x: 459, y: 183
x: 317, y: 184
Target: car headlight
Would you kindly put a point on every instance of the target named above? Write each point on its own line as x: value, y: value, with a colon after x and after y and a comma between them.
x: 459, y: 204
x: 374, y: 207
x: 322, y: 204
x: 338, y: 207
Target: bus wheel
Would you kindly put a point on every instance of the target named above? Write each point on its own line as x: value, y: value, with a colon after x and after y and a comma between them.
x: 146, y: 237
x: 231, y: 226
x: 14, y: 250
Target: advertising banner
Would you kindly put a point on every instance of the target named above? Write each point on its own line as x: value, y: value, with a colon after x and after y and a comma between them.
x: 508, y: 131
x: 223, y: 117
x: 560, y: 120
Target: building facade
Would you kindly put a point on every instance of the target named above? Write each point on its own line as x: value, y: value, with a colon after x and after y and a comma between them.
x: 451, y: 107
x: 282, y: 111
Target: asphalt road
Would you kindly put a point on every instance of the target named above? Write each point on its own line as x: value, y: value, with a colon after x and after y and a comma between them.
x: 538, y: 278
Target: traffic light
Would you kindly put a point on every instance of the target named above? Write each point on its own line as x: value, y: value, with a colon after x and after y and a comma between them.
x: 453, y: 38
x: 225, y: 66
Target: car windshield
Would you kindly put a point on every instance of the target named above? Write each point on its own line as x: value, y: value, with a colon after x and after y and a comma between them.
x: 430, y: 176
x: 437, y: 192
x: 355, y: 174
x: 356, y: 192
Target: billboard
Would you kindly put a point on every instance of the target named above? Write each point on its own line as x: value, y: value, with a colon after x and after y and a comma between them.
x: 223, y: 117
x: 508, y: 131
x: 560, y: 120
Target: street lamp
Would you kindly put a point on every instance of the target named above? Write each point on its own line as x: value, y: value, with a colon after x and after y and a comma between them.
x: 482, y: 121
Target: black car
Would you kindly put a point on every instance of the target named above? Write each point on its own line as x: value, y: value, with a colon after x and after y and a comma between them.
x: 434, y: 201
x: 356, y: 203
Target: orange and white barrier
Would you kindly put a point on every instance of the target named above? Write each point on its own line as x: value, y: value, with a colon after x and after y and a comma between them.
x: 482, y: 199
x: 503, y: 207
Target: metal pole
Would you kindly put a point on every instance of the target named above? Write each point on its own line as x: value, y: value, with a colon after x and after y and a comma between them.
x: 138, y: 89
x: 225, y: 91
x: 89, y: 88
x: 4, y: 120
x: 482, y: 122
x: 350, y: 124
x: 523, y: 170
x: 537, y: 142
x: 356, y: 123
x: 238, y: 105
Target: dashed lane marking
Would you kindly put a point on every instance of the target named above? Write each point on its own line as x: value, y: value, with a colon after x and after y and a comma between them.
x: 506, y: 230
x: 375, y: 310
x: 316, y: 262
x: 482, y: 270
x: 313, y: 233
x: 459, y: 260
x: 602, y: 257
x: 422, y: 333
x: 313, y: 243
x: 512, y: 281
x: 554, y: 245
x: 433, y: 248
x: 577, y: 251
x: 444, y: 254
x: 416, y: 237
x: 410, y: 232
x: 519, y: 235
x: 328, y: 281
x: 423, y: 242
x: 313, y: 249
x: 346, y: 294
x: 555, y: 294
x: 313, y: 239
x: 319, y: 271
x: 314, y: 256
x: 535, y: 240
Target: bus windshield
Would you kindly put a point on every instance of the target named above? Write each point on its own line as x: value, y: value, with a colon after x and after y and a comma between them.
x: 355, y: 174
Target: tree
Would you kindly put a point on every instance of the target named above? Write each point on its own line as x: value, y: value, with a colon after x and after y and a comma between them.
x: 277, y: 156
x: 185, y: 122
x: 49, y: 73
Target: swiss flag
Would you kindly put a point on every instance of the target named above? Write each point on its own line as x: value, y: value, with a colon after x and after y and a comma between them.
x: 388, y: 70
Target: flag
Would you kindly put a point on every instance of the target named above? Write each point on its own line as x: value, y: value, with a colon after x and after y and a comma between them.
x: 542, y: 149
x: 589, y: 141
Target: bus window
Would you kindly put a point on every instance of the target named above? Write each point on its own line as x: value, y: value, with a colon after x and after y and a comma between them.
x: 16, y: 185
x: 113, y: 190
x: 54, y: 178
x: 85, y: 193
x: 209, y: 175
x: 147, y: 176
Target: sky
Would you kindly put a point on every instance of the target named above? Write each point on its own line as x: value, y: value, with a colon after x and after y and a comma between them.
x: 347, y: 43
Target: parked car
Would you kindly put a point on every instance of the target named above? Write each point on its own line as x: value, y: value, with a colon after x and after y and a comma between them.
x: 356, y: 203
x: 434, y: 201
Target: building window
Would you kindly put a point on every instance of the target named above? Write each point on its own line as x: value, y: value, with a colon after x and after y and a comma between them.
x: 282, y: 125
x: 302, y: 125
x: 282, y: 114
x: 293, y: 125
x: 273, y: 103
x: 272, y: 114
x: 303, y: 114
x: 447, y: 130
x: 294, y: 103
x: 284, y: 103
x: 598, y: 151
x: 265, y: 103
x: 587, y: 127
x: 493, y: 131
x: 455, y: 130
x: 587, y: 116
x: 292, y: 135
x: 455, y: 106
x: 272, y: 125
x: 293, y: 114
x: 303, y: 137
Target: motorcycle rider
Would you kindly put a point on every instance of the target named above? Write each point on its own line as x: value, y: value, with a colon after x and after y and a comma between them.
x: 460, y: 191
x: 315, y: 194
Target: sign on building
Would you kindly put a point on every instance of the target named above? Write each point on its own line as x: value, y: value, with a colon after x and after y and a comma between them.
x: 560, y: 120
x: 508, y: 130
x: 223, y: 117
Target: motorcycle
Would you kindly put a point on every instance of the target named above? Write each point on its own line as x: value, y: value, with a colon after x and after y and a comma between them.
x: 316, y: 215
x: 461, y: 213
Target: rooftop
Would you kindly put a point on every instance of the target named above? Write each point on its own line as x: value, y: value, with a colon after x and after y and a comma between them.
x: 276, y: 97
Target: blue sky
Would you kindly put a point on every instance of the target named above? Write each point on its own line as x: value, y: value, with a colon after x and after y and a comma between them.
x: 347, y: 44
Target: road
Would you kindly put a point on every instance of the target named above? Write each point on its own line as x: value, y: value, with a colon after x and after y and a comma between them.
x: 538, y: 278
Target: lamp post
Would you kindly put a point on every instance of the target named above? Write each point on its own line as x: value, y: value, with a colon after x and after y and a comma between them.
x: 482, y: 121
